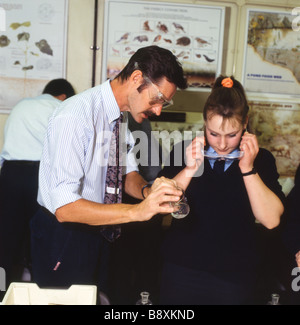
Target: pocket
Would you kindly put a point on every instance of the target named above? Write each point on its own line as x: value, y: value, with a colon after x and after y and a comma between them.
x: 40, y: 225
x: 49, y: 239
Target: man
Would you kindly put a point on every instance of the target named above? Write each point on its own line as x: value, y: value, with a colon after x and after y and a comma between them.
x: 24, y: 134
x: 67, y: 244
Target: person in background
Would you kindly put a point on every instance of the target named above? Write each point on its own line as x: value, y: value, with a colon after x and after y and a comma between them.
x: 211, y: 256
x: 24, y: 135
x: 292, y: 229
x: 135, y: 255
x: 81, y: 212
x: 291, y: 235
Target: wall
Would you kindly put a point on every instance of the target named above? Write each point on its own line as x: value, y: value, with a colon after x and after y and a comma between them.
x: 79, y: 54
x: 80, y: 39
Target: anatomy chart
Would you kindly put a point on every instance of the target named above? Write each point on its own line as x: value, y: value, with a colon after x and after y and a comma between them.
x: 193, y: 33
x: 32, y: 47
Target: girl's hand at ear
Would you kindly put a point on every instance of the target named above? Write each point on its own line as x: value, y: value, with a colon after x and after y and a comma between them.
x: 249, y: 145
x: 194, y: 156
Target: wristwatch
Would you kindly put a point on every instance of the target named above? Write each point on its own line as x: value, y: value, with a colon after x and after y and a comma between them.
x: 252, y: 172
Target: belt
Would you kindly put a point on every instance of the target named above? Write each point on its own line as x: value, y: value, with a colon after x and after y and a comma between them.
x: 21, y: 162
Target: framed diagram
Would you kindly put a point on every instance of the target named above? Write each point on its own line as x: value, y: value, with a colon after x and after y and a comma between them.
x: 32, y: 48
x: 272, y: 53
x: 194, y: 33
x: 276, y: 125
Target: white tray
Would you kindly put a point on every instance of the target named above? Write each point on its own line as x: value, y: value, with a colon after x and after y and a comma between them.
x: 31, y: 294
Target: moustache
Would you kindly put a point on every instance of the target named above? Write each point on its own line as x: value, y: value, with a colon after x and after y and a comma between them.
x: 148, y: 113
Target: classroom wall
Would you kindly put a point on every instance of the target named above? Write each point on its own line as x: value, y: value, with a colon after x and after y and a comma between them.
x: 80, y: 39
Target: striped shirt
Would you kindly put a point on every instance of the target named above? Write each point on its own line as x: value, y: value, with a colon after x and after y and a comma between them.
x: 75, y: 154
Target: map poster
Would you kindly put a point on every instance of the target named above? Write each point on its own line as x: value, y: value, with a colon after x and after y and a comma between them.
x: 272, y: 54
x: 276, y: 126
x: 193, y: 33
x: 32, y: 47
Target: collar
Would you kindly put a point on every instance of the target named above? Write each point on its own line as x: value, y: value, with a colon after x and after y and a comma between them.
x: 227, y: 162
x: 112, y: 109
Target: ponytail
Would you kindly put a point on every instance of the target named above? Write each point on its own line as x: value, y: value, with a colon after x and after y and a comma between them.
x: 227, y: 99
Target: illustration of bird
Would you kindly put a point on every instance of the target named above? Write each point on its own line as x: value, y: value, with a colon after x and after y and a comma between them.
x: 147, y: 27
x: 141, y: 38
x: 178, y: 27
x: 115, y: 51
x: 184, y: 41
x: 157, y: 38
x: 208, y: 59
x: 201, y: 41
x: 123, y: 37
x: 162, y: 27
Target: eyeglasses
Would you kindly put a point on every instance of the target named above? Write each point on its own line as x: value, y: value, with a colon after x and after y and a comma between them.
x: 160, y: 98
x: 232, y: 156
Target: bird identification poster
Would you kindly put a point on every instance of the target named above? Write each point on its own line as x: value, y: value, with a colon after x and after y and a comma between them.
x: 32, y: 47
x: 193, y: 33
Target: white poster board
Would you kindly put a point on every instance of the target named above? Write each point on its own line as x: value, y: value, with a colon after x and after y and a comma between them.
x: 194, y: 33
x: 32, y: 47
x: 276, y: 125
x: 272, y: 54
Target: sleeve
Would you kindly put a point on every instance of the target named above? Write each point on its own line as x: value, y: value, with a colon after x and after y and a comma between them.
x: 67, y: 160
x: 265, y: 165
x: 291, y: 229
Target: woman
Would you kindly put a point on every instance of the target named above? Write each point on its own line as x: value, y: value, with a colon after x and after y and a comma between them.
x: 291, y: 240
x: 291, y: 230
x: 211, y: 256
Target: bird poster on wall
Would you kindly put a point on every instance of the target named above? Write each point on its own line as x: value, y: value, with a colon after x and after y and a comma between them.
x: 193, y: 33
x: 32, y: 47
x: 272, y: 53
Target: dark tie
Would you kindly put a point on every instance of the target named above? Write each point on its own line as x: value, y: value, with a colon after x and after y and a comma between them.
x: 219, y: 166
x: 113, y: 184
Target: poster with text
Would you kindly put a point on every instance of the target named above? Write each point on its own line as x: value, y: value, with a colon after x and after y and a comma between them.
x: 272, y: 54
x: 193, y: 33
x: 32, y: 48
x: 276, y: 126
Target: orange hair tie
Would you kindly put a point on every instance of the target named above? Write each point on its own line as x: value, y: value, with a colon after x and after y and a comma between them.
x: 227, y: 83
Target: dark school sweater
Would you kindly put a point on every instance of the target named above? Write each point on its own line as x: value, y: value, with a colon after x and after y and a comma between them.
x: 218, y: 235
x: 291, y: 230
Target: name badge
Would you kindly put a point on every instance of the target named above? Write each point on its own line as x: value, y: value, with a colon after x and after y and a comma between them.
x: 112, y: 190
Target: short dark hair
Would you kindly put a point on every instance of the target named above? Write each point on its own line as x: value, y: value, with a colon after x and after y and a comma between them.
x: 227, y: 102
x: 58, y: 87
x: 155, y: 62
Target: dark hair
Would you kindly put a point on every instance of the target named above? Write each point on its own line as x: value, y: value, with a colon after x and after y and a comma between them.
x: 229, y: 102
x: 155, y: 63
x: 58, y: 87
